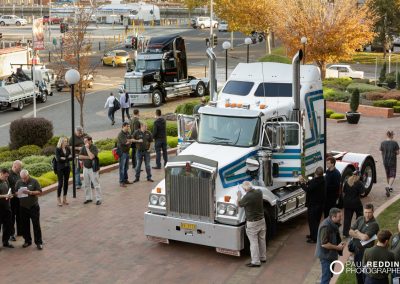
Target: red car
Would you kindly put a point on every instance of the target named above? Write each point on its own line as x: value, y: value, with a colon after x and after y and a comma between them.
x: 52, y: 20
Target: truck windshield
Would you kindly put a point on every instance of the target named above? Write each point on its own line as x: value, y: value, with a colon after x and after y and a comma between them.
x: 142, y: 65
x: 232, y: 131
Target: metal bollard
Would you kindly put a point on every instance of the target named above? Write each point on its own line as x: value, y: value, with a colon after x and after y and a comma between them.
x: 49, y: 56
x: 99, y: 45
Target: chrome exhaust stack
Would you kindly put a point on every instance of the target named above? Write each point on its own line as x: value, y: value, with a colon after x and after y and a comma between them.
x: 296, y: 85
x: 213, y: 74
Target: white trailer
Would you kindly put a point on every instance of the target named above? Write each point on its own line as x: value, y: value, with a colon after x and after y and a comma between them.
x: 267, y: 125
x: 115, y: 13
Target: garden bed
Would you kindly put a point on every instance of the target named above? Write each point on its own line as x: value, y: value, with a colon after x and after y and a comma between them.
x: 363, y: 109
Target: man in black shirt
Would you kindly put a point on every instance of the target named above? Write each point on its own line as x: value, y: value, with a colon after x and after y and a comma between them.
x: 255, y: 222
x: 315, y: 197
x: 16, y: 225
x: 78, y: 146
x: 134, y: 125
x: 332, y: 181
x: 160, y: 137
x: 30, y: 210
x: 143, y: 139
x: 5, y: 208
x: 124, y: 142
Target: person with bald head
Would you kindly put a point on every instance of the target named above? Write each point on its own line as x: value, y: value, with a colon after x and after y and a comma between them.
x: 16, y: 225
x: 29, y: 209
x: 252, y: 202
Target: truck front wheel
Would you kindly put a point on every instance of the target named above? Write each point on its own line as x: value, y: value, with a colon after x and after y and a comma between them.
x: 367, y: 176
x: 157, y: 98
x: 200, y: 89
x: 20, y: 106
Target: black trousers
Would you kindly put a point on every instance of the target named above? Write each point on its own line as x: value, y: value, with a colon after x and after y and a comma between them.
x: 63, y: 177
x: 348, y: 215
x: 5, y: 223
x: 133, y: 147
x: 314, y: 213
x: 358, y: 256
x: 329, y: 203
x: 15, y: 218
x: 125, y: 110
x: 28, y: 214
x: 161, y: 145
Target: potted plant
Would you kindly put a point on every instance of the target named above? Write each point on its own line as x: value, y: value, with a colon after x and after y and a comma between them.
x: 353, y: 116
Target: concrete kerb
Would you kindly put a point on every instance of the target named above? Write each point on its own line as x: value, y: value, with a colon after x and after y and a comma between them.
x: 106, y: 169
x: 311, y: 277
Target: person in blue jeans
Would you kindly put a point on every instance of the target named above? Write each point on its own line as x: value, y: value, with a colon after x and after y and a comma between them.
x: 124, y: 142
x: 143, y: 139
x: 79, y: 143
x: 329, y: 244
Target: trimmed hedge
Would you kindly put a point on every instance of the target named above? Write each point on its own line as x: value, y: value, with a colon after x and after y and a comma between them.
x: 337, y: 115
x: 50, y: 176
x: 336, y: 95
x: 38, y: 169
x: 172, y: 141
x: 337, y: 83
x: 328, y: 112
x: 106, y: 144
x: 6, y: 165
x: 49, y: 150
x: 186, y: 108
x: 30, y: 131
x: 363, y: 88
x: 44, y: 181
x: 383, y: 103
x: 53, y: 141
x: 8, y: 156
x: 28, y: 150
x: 396, y: 109
x: 37, y: 159
x: 106, y: 158
x: 172, y: 127
x: 4, y: 148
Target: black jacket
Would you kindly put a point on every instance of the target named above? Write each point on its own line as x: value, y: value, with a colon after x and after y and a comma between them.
x: 63, y: 163
x: 315, y: 192
x: 160, y: 129
x: 333, y: 179
x: 351, y: 195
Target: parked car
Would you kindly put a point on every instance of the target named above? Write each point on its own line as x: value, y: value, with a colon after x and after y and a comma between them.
x: 115, y: 58
x: 223, y: 26
x: 61, y: 83
x: 52, y: 20
x: 343, y: 70
x: 204, y: 22
x: 7, y: 20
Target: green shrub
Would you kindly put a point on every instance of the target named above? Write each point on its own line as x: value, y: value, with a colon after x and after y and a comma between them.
x: 390, y: 81
x: 38, y: 169
x: 6, y: 165
x: 44, y: 181
x: 50, y: 176
x: 106, y: 158
x: 4, y: 148
x: 335, y: 95
x: 364, y: 88
x: 186, y: 108
x: 382, y: 74
x: 49, y: 150
x: 398, y: 80
x: 328, y: 112
x: 385, y: 103
x: 275, y: 58
x: 28, y: 150
x: 150, y: 124
x: 105, y: 144
x: 374, y: 96
x: 398, y: 103
x: 36, y: 159
x: 8, y: 156
x: 53, y: 141
x: 30, y: 131
x: 172, y: 127
x: 396, y: 109
x: 355, y: 100
x: 364, y: 81
x: 172, y: 141
x: 337, y: 83
x: 337, y: 115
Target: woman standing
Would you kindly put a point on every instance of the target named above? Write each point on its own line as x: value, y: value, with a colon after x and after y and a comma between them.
x: 63, y: 157
x: 352, y: 190
x: 124, y: 100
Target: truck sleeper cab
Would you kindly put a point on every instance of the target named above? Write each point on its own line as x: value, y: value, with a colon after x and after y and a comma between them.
x: 263, y: 127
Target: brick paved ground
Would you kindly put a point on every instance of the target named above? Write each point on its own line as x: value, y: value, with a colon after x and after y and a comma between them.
x: 105, y: 244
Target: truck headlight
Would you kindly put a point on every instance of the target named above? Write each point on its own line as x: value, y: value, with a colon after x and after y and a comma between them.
x: 162, y: 200
x: 221, y: 209
x: 231, y: 210
x: 154, y: 199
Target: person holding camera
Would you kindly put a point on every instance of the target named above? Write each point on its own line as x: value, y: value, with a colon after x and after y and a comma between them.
x: 329, y: 244
x: 315, y: 197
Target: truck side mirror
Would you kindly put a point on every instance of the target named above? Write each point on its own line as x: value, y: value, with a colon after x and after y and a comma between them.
x: 252, y: 164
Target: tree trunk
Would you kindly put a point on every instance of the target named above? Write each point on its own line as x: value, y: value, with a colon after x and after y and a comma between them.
x: 81, y: 114
x: 268, y: 43
x: 322, y: 67
x: 273, y: 39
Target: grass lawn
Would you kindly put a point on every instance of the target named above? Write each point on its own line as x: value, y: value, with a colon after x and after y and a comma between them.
x: 388, y: 219
x: 370, y: 58
x: 277, y: 55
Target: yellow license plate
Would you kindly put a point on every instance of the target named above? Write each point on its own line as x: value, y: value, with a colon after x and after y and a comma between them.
x: 187, y: 226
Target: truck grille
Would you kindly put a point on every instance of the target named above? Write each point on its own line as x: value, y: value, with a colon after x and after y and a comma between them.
x: 189, y: 197
x: 133, y: 85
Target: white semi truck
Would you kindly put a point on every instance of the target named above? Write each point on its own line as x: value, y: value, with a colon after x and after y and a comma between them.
x: 267, y: 125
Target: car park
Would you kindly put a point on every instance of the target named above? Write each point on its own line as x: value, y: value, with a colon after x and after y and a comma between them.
x: 115, y: 58
x: 223, y: 26
x: 343, y: 70
x: 7, y: 20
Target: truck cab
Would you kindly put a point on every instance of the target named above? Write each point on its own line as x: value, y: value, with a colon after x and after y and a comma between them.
x: 161, y: 72
x: 265, y: 127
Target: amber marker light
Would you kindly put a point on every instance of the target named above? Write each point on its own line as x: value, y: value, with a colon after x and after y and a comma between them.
x: 227, y: 198
x: 158, y: 189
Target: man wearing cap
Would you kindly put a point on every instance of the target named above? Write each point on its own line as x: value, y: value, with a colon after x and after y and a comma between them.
x: 252, y: 202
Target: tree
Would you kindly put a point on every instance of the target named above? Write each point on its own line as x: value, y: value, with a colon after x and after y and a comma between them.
x: 387, y: 22
x: 76, y: 49
x: 334, y: 30
x: 355, y: 100
x: 382, y: 74
x: 191, y: 4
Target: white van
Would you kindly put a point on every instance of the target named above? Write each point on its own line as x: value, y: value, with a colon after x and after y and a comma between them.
x: 205, y: 22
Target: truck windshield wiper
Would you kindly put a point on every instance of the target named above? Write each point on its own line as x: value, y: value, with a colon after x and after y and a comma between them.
x: 216, y: 138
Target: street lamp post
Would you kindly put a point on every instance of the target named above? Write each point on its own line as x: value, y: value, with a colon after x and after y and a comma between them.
x: 247, y: 41
x: 72, y: 77
x: 304, y: 42
x: 226, y: 45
